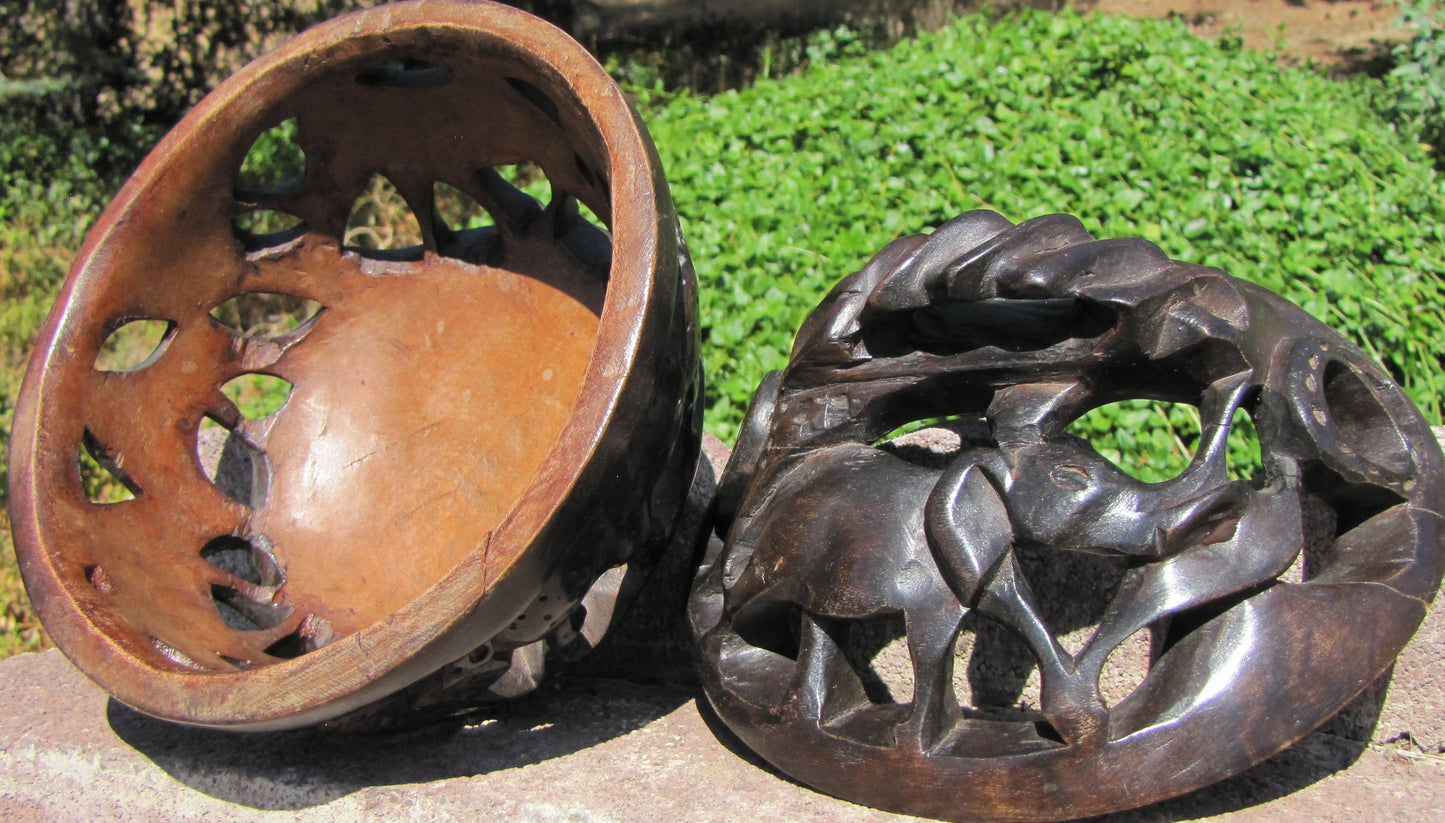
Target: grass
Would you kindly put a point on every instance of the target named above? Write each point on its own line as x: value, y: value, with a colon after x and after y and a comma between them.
x: 1281, y: 176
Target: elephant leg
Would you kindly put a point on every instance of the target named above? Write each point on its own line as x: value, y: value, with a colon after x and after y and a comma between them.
x: 1070, y: 702
x: 824, y: 685
x: 931, y: 637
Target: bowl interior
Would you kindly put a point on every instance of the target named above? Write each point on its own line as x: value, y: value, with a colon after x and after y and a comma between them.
x: 334, y: 408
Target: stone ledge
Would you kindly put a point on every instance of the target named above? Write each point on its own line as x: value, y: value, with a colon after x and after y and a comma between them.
x: 584, y: 750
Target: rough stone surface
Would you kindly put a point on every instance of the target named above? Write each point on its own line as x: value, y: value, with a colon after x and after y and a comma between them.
x: 585, y: 750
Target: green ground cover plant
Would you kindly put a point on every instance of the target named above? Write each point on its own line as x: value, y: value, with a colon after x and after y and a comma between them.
x: 1279, y: 175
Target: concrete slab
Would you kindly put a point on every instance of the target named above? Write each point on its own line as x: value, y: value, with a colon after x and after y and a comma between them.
x: 584, y: 750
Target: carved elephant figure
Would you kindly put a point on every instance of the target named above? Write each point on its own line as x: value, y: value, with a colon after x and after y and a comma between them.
x: 842, y: 538
x: 1200, y: 537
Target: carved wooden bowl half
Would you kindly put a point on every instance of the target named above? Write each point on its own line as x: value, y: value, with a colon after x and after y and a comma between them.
x: 473, y: 435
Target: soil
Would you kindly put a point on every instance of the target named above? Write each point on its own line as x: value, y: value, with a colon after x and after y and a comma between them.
x: 1349, y: 35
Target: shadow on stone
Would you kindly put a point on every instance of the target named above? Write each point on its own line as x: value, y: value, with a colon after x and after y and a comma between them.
x: 306, y: 768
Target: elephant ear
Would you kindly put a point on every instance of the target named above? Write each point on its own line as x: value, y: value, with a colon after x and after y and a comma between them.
x: 968, y: 527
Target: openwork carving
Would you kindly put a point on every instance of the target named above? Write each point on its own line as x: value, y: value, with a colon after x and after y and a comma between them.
x: 350, y: 460
x: 838, y: 541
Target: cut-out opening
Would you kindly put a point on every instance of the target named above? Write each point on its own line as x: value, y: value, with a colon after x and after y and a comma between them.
x: 250, y: 560
x: 518, y: 192
x: 382, y: 221
x: 956, y: 424
x: 275, y: 161
x: 174, y: 654
x: 404, y: 73
x: 265, y: 228
x: 773, y: 628
x: 1009, y: 324
x: 243, y: 665
x: 457, y: 210
x: 133, y: 345
x: 1149, y: 440
x: 265, y: 314
x: 101, y: 475
x: 599, y: 604
x: 465, y: 230
x: 243, y: 614
x: 1242, y: 452
x: 537, y: 98
x: 578, y: 229
x: 878, y: 652
x: 1365, y: 430
x: 257, y: 395
x: 240, y: 470
x: 1296, y: 571
x: 586, y: 212
x: 313, y: 633
x: 98, y: 579
x: 1125, y: 668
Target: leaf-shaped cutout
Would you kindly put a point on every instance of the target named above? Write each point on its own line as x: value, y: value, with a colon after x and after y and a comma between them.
x: 250, y: 560
x: 313, y: 633
x: 583, y: 234
x: 1242, y: 451
x: 174, y: 654
x: 585, y: 169
x: 465, y: 230
x: 517, y: 193
x: 134, y: 345
x: 1150, y: 440
x: 267, y: 227
x: 101, y: 475
x: 457, y: 210
x: 537, y: 98
x: 257, y: 395
x: 266, y: 315
x: 240, y: 470
x: 1125, y: 668
x: 404, y: 73
x: 241, y: 613
x: 381, y: 220
x: 274, y: 162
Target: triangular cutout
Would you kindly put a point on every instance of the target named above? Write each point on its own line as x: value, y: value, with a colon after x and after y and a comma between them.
x: 274, y: 162
x: 101, y: 475
x: 458, y: 211
x: 382, y: 220
x: 257, y: 395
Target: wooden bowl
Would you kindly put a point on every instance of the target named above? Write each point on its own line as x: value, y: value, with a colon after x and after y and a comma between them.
x: 484, y: 429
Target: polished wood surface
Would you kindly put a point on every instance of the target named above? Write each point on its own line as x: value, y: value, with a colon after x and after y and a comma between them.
x: 478, y: 427
x: 837, y: 542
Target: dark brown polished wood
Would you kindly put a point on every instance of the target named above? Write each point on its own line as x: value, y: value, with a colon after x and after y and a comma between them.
x: 480, y: 428
x: 1026, y: 328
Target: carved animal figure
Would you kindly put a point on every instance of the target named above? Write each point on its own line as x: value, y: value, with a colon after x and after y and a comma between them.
x: 841, y: 536
x: 1208, y: 537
